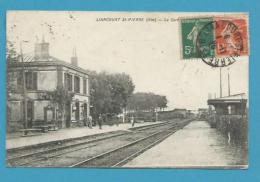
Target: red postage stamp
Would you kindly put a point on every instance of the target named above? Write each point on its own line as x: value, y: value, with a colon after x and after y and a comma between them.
x: 231, y: 36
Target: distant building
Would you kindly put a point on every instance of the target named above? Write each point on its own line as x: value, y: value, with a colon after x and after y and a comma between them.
x: 181, y: 113
x: 202, y: 113
x: 176, y: 113
x: 43, y: 74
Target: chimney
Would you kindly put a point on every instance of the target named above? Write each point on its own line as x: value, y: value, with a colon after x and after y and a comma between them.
x: 74, y: 58
x: 41, y: 50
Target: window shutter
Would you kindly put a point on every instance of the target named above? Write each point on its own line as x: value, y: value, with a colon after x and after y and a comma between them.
x: 70, y: 82
x: 75, y: 84
x: 35, y: 78
x: 65, y: 81
x: 85, y: 87
x: 66, y: 84
x: 27, y: 80
x: 20, y: 81
x: 79, y: 84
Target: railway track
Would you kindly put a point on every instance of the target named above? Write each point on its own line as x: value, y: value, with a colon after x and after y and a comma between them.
x: 39, y: 148
x: 25, y: 155
x: 121, y: 155
x: 28, y: 155
x: 43, y: 156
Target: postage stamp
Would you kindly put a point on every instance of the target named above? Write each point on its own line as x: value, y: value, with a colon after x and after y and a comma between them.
x: 190, y: 29
x: 216, y: 40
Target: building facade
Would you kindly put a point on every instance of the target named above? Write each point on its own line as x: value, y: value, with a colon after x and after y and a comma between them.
x: 33, y: 95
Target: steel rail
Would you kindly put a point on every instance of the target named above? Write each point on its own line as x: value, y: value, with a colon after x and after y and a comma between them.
x: 73, y: 145
x: 78, y: 164
x: 90, y: 141
x: 125, y: 160
x: 57, y: 149
x: 62, y: 147
x: 140, y: 128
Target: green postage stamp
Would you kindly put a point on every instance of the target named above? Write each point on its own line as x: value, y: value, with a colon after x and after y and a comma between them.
x: 190, y: 29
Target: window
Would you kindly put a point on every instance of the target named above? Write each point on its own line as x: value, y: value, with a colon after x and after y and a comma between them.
x: 76, y: 84
x: 31, y: 80
x: 68, y: 81
x: 85, y: 86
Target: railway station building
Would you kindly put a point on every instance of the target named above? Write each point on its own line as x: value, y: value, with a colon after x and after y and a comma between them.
x: 44, y: 75
x: 230, y: 105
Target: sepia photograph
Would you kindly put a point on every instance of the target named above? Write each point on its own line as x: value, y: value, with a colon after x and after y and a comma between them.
x: 90, y: 89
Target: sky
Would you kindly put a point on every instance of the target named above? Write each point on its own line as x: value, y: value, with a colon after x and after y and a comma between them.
x: 150, y: 52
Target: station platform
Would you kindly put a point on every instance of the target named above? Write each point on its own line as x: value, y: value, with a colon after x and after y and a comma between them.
x: 16, y: 141
x: 195, y: 146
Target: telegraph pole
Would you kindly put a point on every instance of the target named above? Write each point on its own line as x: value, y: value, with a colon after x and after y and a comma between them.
x: 220, y: 83
x: 228, y: 83
x: 24, y: 89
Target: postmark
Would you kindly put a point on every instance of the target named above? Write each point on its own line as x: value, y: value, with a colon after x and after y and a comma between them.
x: 217, y: 41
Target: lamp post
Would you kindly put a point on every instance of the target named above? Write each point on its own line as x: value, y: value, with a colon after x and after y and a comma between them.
x: 228, y: 83
x: 220, y: 83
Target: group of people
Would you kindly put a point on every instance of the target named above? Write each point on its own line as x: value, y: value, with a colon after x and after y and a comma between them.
x: 89, y: 121
x: 101, y: 118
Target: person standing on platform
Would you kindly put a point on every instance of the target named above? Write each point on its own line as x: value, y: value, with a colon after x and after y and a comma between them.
x: 90, y: 121
x: 100, y: 120
x: 132, y: 121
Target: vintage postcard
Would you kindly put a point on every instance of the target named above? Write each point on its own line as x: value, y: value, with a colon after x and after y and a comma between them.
x: 127, y: 89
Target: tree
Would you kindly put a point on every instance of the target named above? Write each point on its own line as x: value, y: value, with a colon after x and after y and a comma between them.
x: 122, y: 88
x: 110, y: 92
x: 142, y: 101
x: 60, y: 97
x: 161, y: 102
x: 11, y: 52
x: 11, y: 76
x: 100, y: 93
x: 11, y: 56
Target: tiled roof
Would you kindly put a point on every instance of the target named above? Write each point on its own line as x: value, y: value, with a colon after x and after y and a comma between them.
x: 30, y: 60
x: 237, y: 98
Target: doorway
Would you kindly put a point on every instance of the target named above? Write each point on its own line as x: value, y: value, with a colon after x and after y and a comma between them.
x: 68, y: 114
x: 77, y: 111
x: 30, y: 113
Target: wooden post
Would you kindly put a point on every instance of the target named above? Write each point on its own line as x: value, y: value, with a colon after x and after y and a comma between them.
x: 123, y: 115
x: 220, y: 83
x: 228, y: 83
